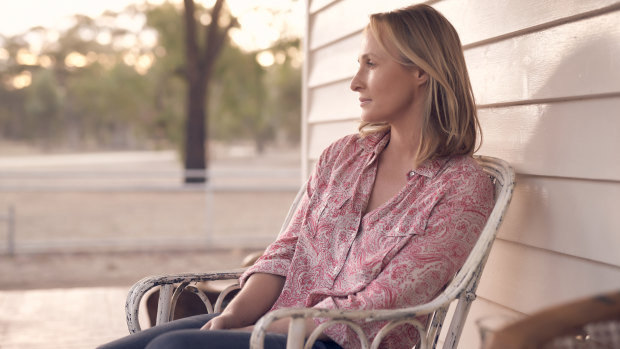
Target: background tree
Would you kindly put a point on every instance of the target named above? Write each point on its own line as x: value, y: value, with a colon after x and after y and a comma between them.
x: 119, y: 81
x: 200, y: 60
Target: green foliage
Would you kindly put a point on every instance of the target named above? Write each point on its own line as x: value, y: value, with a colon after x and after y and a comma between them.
x: 253, y: 102
x: 285, y: 92
x: 102, y: 102
x: 43, y: 104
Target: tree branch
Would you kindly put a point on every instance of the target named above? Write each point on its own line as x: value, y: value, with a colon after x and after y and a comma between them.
x: 191, y: 44
x: 215, y: 36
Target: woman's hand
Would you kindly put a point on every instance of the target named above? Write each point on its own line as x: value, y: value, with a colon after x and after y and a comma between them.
x: 253, y: 301
x: 224, y: 321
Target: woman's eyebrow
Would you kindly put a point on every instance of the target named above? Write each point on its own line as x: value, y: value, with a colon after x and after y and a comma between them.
x: 364, y: 56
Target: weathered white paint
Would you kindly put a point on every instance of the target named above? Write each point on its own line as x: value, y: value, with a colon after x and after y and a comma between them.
x: 168, y: 283
x: 296, y: 331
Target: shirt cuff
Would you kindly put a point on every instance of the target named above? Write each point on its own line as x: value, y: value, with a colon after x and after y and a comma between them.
x: 267, y: 267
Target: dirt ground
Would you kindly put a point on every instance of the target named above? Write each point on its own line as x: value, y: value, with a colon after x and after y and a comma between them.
x: 88, y: 226
x: 81, y: 224
x: 115, y: 239
x: 97, y: 269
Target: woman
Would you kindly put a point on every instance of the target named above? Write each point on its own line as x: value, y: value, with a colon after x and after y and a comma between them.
x: 389, y: 215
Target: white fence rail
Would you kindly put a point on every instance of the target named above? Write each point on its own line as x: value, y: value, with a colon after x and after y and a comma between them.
x: 239, y: 207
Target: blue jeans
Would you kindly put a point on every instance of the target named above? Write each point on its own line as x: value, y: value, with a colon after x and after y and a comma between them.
x: 185, y: 333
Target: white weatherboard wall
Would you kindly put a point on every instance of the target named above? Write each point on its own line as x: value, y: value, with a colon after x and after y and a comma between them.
x: 546, y: 76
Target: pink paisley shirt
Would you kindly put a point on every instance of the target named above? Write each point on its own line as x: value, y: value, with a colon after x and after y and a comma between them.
x: 401, y: 254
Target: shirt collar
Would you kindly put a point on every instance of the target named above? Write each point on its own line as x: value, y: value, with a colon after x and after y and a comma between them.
x: 431, y: 167
x: 376, y: 142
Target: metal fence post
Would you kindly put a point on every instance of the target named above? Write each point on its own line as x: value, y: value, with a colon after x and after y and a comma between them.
x: 11, y: 231
x: 209, y: 212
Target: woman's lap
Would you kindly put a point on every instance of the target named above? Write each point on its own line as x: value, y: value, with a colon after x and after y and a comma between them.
x: 196, y: 339
x: 186, y: 333
x: 142, y: 338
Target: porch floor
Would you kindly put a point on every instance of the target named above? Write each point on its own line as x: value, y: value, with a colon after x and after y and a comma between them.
x: 61, y: 318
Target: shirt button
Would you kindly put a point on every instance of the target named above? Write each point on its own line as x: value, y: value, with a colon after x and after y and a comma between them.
x: 411, y: 173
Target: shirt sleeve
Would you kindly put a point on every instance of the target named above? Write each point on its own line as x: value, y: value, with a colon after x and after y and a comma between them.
x: 277, y: 257
x: 422, y: 267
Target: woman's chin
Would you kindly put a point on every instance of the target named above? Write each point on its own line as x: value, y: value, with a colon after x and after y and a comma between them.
x: 373, y: 119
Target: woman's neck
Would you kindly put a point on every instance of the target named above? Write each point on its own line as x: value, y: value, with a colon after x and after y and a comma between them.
x: 404, y: 146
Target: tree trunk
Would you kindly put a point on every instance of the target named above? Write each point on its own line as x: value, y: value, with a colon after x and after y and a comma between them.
x: 195, y: 130
x: 199, y: 64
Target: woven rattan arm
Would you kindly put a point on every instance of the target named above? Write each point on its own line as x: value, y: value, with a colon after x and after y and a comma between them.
x: 168, y: 284
x: 351, y: 318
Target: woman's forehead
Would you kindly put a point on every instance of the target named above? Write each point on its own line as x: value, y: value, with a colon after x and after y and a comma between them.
x: 370, y: 46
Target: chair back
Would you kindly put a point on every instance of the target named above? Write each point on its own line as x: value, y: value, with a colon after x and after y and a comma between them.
x: 464, y: 284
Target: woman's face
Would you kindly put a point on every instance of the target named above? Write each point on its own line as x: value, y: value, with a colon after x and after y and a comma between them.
x: 388, y: 91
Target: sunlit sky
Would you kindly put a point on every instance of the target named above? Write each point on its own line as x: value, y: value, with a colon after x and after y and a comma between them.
x: 18, y: 16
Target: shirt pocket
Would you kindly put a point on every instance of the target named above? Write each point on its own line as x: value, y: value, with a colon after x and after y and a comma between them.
x: 325, y: 215
x: 406, y: 231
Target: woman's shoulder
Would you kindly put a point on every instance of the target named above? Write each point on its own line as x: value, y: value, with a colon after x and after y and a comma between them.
x: 462, y: 164
x: 464, y: 170
x: 345, y: 145
x: 346, y: 141
x: 356, y: 143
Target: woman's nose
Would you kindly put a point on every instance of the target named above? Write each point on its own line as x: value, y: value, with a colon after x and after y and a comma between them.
x: 355, y: 83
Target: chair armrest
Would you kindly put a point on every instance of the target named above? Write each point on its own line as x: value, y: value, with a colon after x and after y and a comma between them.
x: 167, y: 299
x: 296, y: 334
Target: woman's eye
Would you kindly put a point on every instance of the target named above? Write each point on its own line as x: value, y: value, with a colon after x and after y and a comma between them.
x: 370, y: 63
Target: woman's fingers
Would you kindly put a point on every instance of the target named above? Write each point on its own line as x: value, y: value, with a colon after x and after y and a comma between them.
x: 207, y: 326
x: 217, y: 323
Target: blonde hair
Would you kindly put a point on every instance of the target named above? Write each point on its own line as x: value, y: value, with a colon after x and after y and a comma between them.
x: 425, y: 39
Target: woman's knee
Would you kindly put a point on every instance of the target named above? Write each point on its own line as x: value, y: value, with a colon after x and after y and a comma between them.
x: 219, y: 339
x: 174, y: 339
x: 197, y: 339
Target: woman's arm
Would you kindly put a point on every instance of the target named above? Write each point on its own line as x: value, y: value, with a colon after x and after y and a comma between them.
x: 253, y: 301
x: 255, y: 298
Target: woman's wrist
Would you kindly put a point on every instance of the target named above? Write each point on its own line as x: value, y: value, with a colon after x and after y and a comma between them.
x: 233, y: 319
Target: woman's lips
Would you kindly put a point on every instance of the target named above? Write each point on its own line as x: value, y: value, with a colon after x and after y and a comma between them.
x: 364, y: 101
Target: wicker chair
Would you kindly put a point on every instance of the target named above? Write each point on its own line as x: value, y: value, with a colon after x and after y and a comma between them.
x: 461, y: 289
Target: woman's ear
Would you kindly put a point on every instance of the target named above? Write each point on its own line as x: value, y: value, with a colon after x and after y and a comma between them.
x: 420, y: 76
